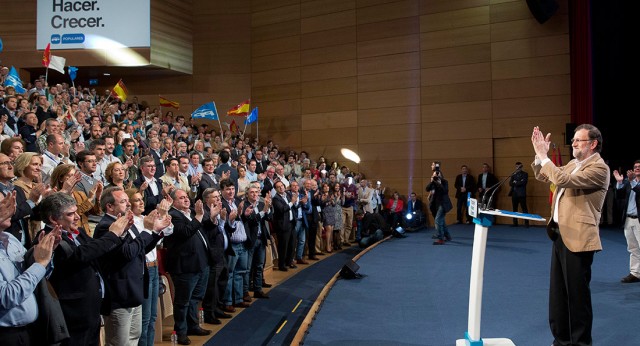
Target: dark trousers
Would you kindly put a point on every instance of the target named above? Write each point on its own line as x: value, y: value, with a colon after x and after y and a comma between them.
x: 18, y: 336
x: 461, y: 209
x: 285, y: 248
x: 311, y: 238
x: 522, y: 201
x: 570, y: 312
x: 189, y: 289
x: 216, y: 285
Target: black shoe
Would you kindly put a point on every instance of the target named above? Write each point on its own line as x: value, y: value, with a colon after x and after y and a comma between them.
x: 198, y: 332
x: 438, y: 242
x: 514, y: 225
x: 283, y: 269
x: 212, y: 321
x: 459, y: 223
x: 184, y: 340
x: 293, y: 266
x: 260, y: 294
x: 630, y: 279
x: 447, y: 237
x: 221, y: 314
x: 266, y: 285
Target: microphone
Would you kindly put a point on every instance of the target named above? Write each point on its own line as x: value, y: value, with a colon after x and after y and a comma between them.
x: 495, y: 187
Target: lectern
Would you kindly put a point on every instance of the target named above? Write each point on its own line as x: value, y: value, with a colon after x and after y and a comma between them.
x: 483, y: 220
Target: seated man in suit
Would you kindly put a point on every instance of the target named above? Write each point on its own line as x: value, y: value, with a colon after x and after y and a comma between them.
x: 188, y: 264
x: 76, y: 278
x: 414, y: 215
x: 124, y: 269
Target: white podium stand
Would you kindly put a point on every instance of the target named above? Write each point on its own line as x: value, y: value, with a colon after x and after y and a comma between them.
x: 483, y: 221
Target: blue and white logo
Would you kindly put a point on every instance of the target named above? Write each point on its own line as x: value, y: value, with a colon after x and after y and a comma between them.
x: 55, y: 39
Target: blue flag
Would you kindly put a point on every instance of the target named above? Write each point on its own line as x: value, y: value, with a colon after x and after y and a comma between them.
x: 1, y: 45
x: 253, y: 116
x: 73, y: 72
x: 13, y: 79
x: 206, y: 111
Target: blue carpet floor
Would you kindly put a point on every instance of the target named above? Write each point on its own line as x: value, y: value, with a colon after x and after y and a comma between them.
x: 415, y: 293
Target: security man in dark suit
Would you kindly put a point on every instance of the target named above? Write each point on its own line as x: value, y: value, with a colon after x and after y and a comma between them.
x: 518, y: 192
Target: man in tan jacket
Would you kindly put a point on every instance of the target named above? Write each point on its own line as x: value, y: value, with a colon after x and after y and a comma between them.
x: 581, y: 186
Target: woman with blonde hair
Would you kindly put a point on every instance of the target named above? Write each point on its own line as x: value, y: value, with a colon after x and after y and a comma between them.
x: 27, y: 168
x: 115, y: 174
x: 64, y: 178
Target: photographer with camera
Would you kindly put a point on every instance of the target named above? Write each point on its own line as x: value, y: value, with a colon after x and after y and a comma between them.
x: 439, y: 203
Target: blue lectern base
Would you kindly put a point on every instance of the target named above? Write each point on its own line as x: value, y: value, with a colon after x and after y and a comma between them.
x: 488, y: 342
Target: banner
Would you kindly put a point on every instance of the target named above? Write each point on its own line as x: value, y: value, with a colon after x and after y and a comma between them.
x: 253, y: 117
x: 206, y: 111
x: 241, y: 109
x: 88, y: 24
x: 13, y: 79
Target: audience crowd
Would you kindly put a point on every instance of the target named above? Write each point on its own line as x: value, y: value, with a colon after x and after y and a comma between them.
x: 105, y: 193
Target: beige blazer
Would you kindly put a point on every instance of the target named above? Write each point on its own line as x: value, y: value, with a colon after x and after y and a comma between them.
x: 581, y: 202
x: 364, y: 198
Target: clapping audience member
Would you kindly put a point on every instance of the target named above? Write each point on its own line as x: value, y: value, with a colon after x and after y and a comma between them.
x: 64, y: 179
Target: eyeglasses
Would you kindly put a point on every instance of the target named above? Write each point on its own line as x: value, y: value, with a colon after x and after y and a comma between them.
x: 573, y: 140
x: 6, y: 163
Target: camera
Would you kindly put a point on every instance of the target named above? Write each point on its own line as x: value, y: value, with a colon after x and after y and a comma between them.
x: 437, y: 167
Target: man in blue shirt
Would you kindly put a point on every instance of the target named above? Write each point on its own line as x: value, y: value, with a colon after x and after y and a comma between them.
x: 18, y: 306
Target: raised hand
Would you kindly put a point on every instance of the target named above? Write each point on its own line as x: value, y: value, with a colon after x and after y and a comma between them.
x: 618, y: 176
x: 44, y: 249
x: 199, y: 208
x: 631, y: 175
x: 8, y: 206
x: 163, y: 207
x: 143, y: 186
x: 120, y: 225
x: 223, y: 213
x: 540, y: 143
x: 37, y: 191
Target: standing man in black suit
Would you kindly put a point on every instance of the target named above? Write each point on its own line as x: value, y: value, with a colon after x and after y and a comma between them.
x: 628, y: 191
x: 125, y: 270
x: 158, y: 156
x: 76, y: 279
x: 151, y: 187
x: 226, y: 167
x: 213, y: 226
x: 518, y: 192
x: 254, y: 216
x: 283, y: 221
x: 261, y: 163
x: 486, y: 180
x: 464, y: 185
x: 188, y: 264
x: 209, y: 178
x: 312, y: 218
x: 269, y: 182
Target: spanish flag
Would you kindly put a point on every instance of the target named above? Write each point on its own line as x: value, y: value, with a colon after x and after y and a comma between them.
x: 234, y: 128
x: 120, y: 91
x: 46, y: 57
x: 241, y: 109
x: 168, y: 103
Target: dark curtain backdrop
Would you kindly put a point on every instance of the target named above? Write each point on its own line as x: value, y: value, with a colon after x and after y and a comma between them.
x: 614, y: 29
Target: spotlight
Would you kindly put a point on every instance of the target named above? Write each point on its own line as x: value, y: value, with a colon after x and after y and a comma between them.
x: 409, y: 216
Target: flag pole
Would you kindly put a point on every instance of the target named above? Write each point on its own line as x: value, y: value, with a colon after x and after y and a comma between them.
x: 219, y: 123
x: 161, y: 115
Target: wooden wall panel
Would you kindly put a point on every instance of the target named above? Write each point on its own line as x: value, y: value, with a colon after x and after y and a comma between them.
x: 390, y: 133
x: 531, y: 67
x: 462, y: 111
x: 455, y: 37
x: 479, y: 148
x: 437, y: 6
x: 383, y: 12
x: 327, y: 22
x: 323, y: 121
x: 387, y: 81
x: 391, y: 115
x: 461, y: 55
x: 330, y: 70
x: 275, y: 62
x: 275, y: 15
x: 449, y: 93
x: 467, y: 17
x: 529, y: 87
x: 530, y: 47
x: 275, y: 46
x: 456, y: 74
x: 317, y: 8
x: 328, y: 38
x: 386, y: 46
x: 389, y: 63
x: 531, y: 106
x: 331, y: 103
x: 389, y: 28
x: 328, y: 54
x: 469, y: 129
x: 389, y: 98
x: 274, y: 31
x: 335, y: 86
